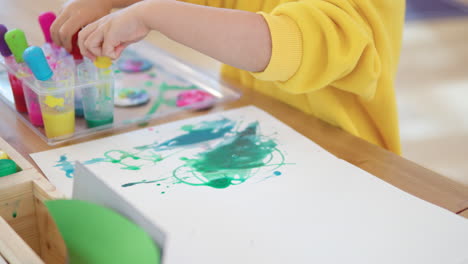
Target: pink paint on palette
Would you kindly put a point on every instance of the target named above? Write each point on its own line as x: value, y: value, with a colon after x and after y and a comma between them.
x: 196, y: 99
x: 134, y: 65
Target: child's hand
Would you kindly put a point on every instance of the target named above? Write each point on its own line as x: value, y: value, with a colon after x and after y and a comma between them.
x: 74, y: 15
x: 111, y: 34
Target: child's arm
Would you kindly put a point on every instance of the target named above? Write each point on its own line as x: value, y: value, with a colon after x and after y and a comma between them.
x: 238, y: 38
x: 76, y: 14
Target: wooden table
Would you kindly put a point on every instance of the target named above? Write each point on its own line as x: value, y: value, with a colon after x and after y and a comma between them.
x: 391, y: 168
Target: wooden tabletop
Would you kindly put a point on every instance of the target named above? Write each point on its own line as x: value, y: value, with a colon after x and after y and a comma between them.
x: 392, y: 168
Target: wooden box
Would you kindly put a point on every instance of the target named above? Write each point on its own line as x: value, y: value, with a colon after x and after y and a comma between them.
x: 27, y: 232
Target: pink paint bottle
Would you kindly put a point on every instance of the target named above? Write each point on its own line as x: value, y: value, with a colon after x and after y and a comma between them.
x: 51, y: 50
x: 17, y: 43
x: 10, y: 62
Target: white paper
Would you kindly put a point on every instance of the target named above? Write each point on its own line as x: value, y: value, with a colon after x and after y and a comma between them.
x: 61, y: 173
x: 317, y: 209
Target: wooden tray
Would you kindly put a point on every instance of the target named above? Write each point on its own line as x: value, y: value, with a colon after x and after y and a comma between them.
x: 27, y: 232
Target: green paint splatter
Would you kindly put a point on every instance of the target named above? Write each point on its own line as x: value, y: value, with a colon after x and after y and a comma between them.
x: 14, y: 214
x: 187, y: 128
x: 232, y: 162
x: 143, y: 182
x: 239, y: 155
x: 149, y: 83
x: 123, y: 158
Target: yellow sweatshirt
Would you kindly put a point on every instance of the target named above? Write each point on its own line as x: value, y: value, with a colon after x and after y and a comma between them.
x: 334, y: 59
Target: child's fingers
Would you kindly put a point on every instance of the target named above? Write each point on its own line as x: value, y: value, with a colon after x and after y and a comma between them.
x: 83, y: 36
x: 119, y: 49
x: 68, y: 29
x: 109, y: 45
x: 55, y: 27
x: 94, y: 42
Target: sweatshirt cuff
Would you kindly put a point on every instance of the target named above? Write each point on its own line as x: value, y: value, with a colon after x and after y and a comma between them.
x: 286, y: 53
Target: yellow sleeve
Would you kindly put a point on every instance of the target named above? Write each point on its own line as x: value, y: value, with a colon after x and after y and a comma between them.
x: 321, y: 43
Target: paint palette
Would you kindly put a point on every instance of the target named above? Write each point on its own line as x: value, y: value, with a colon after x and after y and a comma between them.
x: 149, y: 84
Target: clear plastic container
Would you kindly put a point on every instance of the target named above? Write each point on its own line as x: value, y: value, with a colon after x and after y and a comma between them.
x: 97, y: 100
x: 167, y: 82
x: 30, y: 96
x: 57, y: 103
x: 16, y: 86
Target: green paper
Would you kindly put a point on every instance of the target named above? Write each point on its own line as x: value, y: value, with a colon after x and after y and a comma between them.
x: 94, y: 234
x: 17, y: 43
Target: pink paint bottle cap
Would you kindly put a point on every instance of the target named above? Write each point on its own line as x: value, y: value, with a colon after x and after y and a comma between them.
x: 45, y: 20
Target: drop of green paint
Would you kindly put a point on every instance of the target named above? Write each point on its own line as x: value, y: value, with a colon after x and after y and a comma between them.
x: 131, y: 168
x: 163, y: 192
x: 158, y: 184
x: 219, y: 183
x: 14, y: 214
x: 187, y: 128
x: 149, y: 83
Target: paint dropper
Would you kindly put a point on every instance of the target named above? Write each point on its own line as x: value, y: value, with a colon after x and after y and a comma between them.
x: 37, y: 62
x: 17, y: 43
x: 46, y: 20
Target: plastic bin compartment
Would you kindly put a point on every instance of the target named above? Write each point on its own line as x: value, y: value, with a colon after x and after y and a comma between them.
x: 32, y: 101
x: 58, y: 108
x: 98, y: 98
x: 172, y: 86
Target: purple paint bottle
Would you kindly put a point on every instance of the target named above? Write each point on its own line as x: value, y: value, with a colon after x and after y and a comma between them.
x: 15, y: 83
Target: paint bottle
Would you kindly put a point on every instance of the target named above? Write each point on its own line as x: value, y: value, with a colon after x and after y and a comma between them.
x: 55, y: 94
x: 17, y: 43
x: 10, y: 62
x: 3, y: 155
x: 7, y: 167
x: 50, y: 49
x: 98, y: 96
x: 78, y: 58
